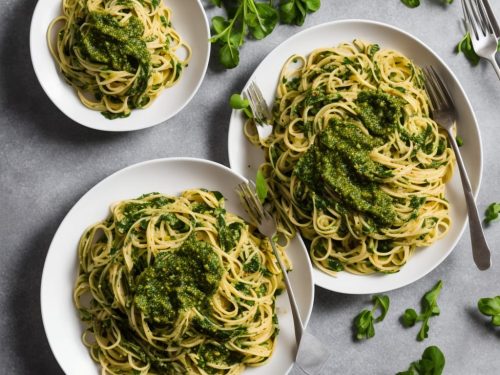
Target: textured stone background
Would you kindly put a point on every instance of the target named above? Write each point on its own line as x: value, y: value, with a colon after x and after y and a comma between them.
x: 47, y: 162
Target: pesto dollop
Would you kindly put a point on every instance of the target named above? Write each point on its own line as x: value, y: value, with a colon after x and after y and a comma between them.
x: 119, y: 46
x: 339, y: 160
x: 179, y: 280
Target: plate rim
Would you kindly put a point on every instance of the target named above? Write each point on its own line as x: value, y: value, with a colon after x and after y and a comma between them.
x: 479, y: 156
x: 44, y: 310
x: 120, y: 127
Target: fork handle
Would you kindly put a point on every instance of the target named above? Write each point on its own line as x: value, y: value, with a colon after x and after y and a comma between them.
x: 480, y: 250
x: 494, y: 63
x: 297, y: 321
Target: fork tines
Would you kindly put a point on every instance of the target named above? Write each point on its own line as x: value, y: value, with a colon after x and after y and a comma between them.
x: 257, y: 103
x: 477, y: 17
x: 438, y: 93
x: 252, y: 203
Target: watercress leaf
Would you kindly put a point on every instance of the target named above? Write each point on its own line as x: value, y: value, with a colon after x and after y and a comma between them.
x: 301, y: 13
x: 363, y: 325
x: 411, y: 3
x: 288, y: 12
x: 492, y: 212
x: 313, y: 5
x: 465, y: 47
x: 217, y: 3
x: 431, y: 363
x: 262, y: 22
x: 424, y: 330
x: 261, y: 186
x: 236, y: 37
x: 229, y: 56
x: 409, y: 318
x: 429, y: 301
x: 495, y: 320
x: 489, y: 306
x: 220, y: 26
x: 383, y: 302
x: 238, y: 102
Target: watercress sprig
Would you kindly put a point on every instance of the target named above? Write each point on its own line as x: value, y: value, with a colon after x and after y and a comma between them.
x: 253, y: 18
x: 364, y: 321
x: 429, y: 309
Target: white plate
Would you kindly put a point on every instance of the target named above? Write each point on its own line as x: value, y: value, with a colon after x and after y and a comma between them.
x: 188, y: 18
x: 171, y: 176
x: 245, y: 158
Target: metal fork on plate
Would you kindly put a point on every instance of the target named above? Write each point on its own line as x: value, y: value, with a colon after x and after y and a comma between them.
x: 311, y: 353
x: 483, y: 29
x: 260, y: 110
x: 443, y: 112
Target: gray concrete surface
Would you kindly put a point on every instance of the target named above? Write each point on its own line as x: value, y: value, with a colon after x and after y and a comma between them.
x: 47, y: 162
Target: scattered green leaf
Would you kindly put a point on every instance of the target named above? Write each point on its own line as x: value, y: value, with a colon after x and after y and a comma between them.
x: 364, y: 321
x: 431, y: 363
x: 490, y: 307
x: 492, y: 212
x: 411, y: 3
x: 460, y: 141
x: 465, y: 47
x: 429, y: 309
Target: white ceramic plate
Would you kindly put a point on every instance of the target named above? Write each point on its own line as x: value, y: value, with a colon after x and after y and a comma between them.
x: 190, y: 21
x: 171, y: 176
x: 245, y: 158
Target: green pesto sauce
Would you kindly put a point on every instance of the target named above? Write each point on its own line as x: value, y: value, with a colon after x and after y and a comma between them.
x: 179, y: 280
x: 120, y: 47
x: 339, y: 161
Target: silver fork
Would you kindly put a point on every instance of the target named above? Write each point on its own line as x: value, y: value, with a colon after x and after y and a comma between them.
x: 311, y: 353
x: 491, y: 16
x: 481, y: 30
x: 443, y: 112
x: 260, y: 110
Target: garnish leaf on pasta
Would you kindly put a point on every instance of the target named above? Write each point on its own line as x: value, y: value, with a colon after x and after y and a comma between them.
x: 364, y: 321
x: 490, y: 307
x: 431, y: 363
x: 492, y: 212
x: 261, y: 186
x: 429, y: 309
x: 236, y: 101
